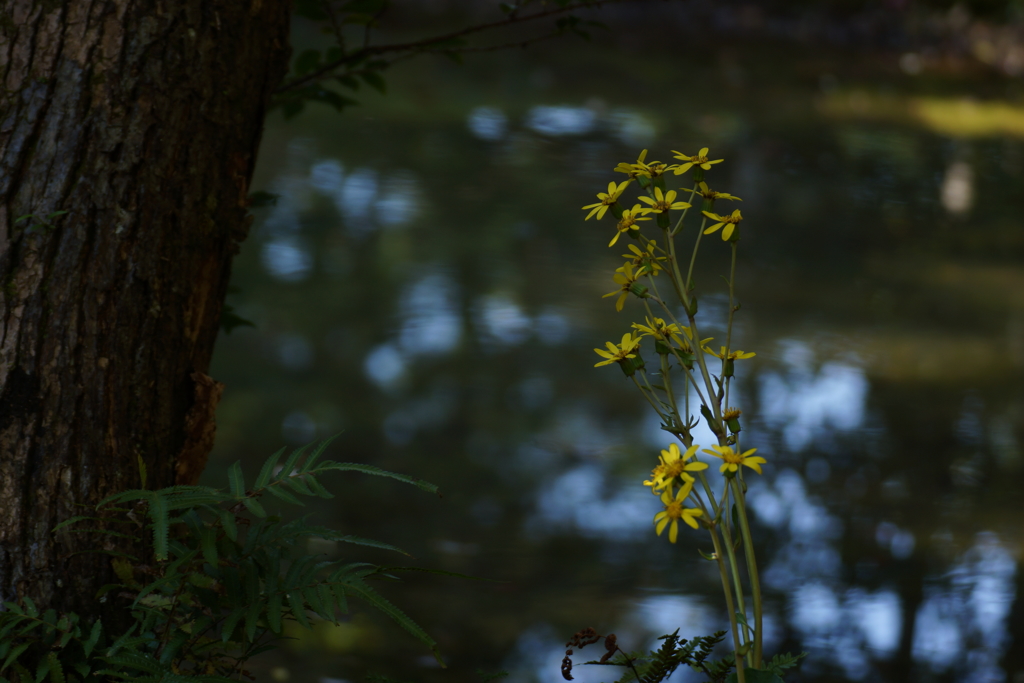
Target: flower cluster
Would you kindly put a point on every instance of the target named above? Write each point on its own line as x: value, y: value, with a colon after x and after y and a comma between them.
x: 680, y: 479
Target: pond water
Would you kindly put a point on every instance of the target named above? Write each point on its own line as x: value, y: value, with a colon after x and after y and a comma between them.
x: 427, y: 285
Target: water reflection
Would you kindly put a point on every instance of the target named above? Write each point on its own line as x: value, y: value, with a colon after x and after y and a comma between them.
x: 426, y: 281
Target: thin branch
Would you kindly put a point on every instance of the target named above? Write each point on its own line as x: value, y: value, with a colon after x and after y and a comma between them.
x: 419, y: 45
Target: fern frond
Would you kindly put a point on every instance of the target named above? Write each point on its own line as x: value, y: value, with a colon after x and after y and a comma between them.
x: 398, y: 616
x: 331, y: 466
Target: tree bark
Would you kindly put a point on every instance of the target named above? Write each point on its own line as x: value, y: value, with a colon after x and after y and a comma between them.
x: 141, y: 119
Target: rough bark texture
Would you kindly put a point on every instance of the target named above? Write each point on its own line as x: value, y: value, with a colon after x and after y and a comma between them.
x: 140, y: 119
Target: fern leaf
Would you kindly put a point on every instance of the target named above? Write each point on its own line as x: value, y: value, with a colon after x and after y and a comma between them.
x: 135, y: 660
x: 74, y: 520
x: 328, y: 608
x: 267, y: 470
x: 13, y: 655
x: 230, y: 624
x: 274, y: 612
x: 236, y: 481
x: 209, y: 542
x: 252, y: 616
x: 30, y: 607
x: 287, y: 497
x: 329, y: 534
x: 55, y: 668
x: 377, y: 600
x: 342, y: 598
x: 331, y: 466
x: 296, y: 484
x: 289, y: 464
x: 298, y: 610
x: 127, y: 496
x: 227, y: 521
x: 317, y: 452
x: 94, y: 637
x: 253, y: 506
x: 318, y: 488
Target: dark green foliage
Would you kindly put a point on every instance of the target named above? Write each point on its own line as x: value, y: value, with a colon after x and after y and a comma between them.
x: 658, y: 665
x: 225, y: 578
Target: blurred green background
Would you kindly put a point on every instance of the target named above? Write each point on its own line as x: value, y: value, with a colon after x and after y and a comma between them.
x: 426, y: 283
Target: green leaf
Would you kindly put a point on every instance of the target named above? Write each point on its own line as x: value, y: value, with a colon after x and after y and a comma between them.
x: 296, y: 484
x: 331, y: 535
x: 274, y: 612
x: 298, y: 610
x: 289, y: 465
x: 253, y: 506
x: 30, y: 607
x: 317, y: 452
x: 14, y: 654
x: 375, y: 81
x: 267, y: 470
x: 74, y: 520
x: 279, y: 492
x: 94, y: 637
x: 331, y: 466
x: 377, y: 600
x: 227, y: 522
x: 230, y: 624
x: 209, y: 541
x: 55, y: 668
x: 236, y: 480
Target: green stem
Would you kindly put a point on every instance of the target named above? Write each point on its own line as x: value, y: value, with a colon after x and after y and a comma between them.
x: 737, y: 581
x: 755, y: 583
x: 740, y: 677
x: 732, y: 310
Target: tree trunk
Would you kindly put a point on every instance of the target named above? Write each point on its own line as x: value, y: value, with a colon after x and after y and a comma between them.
x: 141, y: 120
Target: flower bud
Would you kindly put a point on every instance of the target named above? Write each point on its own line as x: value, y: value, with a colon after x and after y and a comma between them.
x: 698, y: 174
x: 708, y: 204
x: 616, y: 210
x: 734, y: 424
x: 728, y: 368
x: 663, y: 220
x: 691, y: 310
x: 662, y: 348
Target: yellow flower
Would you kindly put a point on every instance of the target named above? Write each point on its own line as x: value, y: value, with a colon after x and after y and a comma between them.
x: 700, y: 159
x: 641, y: 168
x: 708, y: 193
x: 663, y: 201
x: 674, y: 511
x: 660, y: 331
x: 607, y: 199
x: 673, y: 464
x: 733, y: 460
x: 627, y: 280
x: 733, y: 355
x: 616, y: 354
x: 730, y: 223
x: 628, y: 222
x: 644, y: 259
